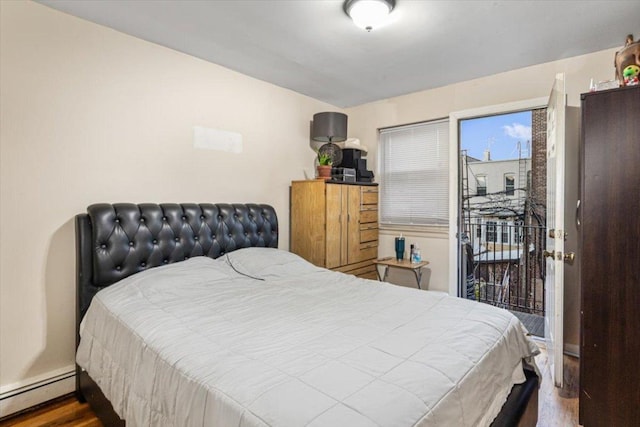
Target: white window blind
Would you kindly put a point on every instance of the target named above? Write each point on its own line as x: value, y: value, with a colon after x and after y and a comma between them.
x: 414, y: 174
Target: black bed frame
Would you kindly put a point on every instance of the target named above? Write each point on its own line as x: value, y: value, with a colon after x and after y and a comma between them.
x: 114, y: 241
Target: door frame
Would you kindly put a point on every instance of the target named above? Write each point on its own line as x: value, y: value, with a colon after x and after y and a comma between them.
x: 454, y: 173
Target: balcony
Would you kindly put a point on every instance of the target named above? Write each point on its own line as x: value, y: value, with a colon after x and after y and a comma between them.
x: 505, y: 267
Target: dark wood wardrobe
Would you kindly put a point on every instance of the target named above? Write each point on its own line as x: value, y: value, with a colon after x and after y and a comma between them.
x: 609, y: 258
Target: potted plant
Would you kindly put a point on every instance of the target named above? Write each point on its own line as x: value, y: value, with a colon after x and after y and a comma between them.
x: 324, y: 166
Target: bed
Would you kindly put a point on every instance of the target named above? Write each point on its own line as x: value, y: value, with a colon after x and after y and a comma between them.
x: 188, y: 314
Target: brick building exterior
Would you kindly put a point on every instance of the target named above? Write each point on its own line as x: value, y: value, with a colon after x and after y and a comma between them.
x: 538, y: 187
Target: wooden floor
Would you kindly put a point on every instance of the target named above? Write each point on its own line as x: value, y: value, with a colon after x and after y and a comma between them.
x: 557, y: 408
x: 61, y: 412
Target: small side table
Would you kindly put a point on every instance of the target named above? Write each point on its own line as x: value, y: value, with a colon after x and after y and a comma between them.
x: 416, y: 267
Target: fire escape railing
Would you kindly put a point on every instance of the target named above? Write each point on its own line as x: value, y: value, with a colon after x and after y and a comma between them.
x: 508, y: 265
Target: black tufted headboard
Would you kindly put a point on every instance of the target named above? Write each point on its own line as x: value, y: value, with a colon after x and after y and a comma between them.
x: 114, y: 241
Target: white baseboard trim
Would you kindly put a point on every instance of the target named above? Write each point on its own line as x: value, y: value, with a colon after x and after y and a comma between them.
x: 35, y: 390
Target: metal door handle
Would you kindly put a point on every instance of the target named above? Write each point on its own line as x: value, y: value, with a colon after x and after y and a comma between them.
x: 548, y: 254
x: 569, y: 257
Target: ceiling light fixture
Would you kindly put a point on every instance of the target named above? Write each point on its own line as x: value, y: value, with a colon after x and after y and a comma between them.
x: 368, y: 14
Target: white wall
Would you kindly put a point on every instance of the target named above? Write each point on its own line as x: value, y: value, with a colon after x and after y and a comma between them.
x: 512, y: 86
x: 92, y: 115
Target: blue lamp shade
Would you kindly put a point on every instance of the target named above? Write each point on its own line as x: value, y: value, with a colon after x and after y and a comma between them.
x: 329, y: 127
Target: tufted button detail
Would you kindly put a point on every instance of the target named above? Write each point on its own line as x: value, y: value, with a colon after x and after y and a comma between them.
x: 184, y: 217
x: 103, y: 246
x: 219, y: 216
x: 246, y: 234
x: 221, y: 252
x: 230, y: 235
x: 130, y: 243
x: 118, y: 220
x: 213, y: 236
x: 195, y: 238
x: 165, y: 261
x: 177, y: 239
x: 201, y: 216
x: 164, y: 218
x: 154, y: 241
x: 143, y: 264
x: 141, y: 219
x: 186, y: 257
x: 118, y: 268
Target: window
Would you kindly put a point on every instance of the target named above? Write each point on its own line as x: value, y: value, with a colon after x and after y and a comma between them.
x: 492, y: 236
x: 414, y: 174
x: 481, y: 185
x: 505, y: 232
x: 519, y: 231
x: 479, y: 229
x: 509, y: 184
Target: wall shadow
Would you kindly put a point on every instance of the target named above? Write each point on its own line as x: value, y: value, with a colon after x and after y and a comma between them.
x: 58, y: 350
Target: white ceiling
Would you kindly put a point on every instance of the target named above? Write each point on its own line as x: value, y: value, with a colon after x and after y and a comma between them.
x: 313, y: 48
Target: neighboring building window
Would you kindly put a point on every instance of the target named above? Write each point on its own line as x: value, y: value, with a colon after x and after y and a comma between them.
x: 509, y: 184
x: 481, y: 186
x: 517, y: 231
x: 414, y: 174
x: 491, y: 231
x: 479, y: 229
x: 505, y: 232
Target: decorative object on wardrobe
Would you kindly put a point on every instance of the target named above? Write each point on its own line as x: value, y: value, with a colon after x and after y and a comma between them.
x: 324, y: 166
x: 330, y: 127
x: 628, y: 56
x: 332, y: 152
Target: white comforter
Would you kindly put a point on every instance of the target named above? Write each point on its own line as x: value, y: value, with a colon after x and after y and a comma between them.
x: 198, y: 344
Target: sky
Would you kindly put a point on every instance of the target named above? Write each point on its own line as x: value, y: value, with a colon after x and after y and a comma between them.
x: 500, y: 134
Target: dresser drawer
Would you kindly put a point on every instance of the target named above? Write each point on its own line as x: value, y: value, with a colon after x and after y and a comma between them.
x: 369, y: 235
x: 369, y: 216
x: 351, y: 267
x: 368, y: 250
x: 370, y: 198
x: 371, y: 268
x: 364, y: 269
x: 371, y: 275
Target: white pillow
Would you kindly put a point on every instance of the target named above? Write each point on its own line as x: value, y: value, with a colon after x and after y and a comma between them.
x: 268, y: 263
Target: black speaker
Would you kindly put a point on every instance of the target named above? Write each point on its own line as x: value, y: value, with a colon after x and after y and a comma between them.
x: 360, y: 164
x: 364, y: 175
x: 349, y: 157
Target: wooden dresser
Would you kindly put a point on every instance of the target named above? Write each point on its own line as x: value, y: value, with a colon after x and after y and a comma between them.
x: 335, y: 225
x: 609, y: 258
